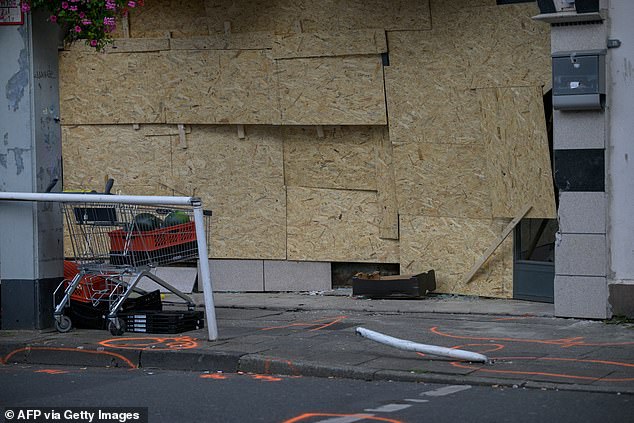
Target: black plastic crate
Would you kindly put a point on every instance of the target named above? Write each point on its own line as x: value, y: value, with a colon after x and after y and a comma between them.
x: 163, y: 321
x: 93, y: 316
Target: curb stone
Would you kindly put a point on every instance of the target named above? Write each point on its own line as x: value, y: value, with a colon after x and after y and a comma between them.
x: 231, y: 362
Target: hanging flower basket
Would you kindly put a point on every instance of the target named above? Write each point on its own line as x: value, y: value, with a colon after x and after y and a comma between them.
x: 89, y: 20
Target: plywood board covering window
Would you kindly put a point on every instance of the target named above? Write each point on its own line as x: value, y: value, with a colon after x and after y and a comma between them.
x: 336, y: 225
x: 332, y: 90
x: 285, y: 16
x: 343, y: 159
x: 451, y: 246
x: 442, y: 180
x: 519, y: 169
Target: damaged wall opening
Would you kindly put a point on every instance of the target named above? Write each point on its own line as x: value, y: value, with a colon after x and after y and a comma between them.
x: 342, y: 273
x: 534, y: 243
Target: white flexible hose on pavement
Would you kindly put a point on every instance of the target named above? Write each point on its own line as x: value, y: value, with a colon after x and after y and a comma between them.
x: 405, y: 345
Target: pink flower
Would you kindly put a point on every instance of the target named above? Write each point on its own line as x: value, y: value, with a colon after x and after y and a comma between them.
x: 132, y: 3
x: 109, y: 21
x: 110, y: 5
x: 86, y: 22
x: 73, y: 8
x: 82, y: 15
x: 53, y: 18
x: 78, y: 29
x: 25, y: 7
x: 64, y: 5
x: 93, y: 43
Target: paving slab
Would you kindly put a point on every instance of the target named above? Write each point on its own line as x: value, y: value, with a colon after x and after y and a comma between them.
x: 528, y: 347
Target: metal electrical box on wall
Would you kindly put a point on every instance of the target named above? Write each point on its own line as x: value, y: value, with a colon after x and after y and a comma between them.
x: 579, y: 80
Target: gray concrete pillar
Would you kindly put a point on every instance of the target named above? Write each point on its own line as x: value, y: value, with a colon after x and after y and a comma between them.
x: 581, y: 254
x: 31, y: 235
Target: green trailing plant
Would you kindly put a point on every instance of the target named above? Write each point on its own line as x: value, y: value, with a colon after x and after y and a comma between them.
x: 93, y: 21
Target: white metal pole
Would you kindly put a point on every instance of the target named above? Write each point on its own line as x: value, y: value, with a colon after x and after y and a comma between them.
x: 210, y: 311
x: 403, y: 344
x: 97, y: 198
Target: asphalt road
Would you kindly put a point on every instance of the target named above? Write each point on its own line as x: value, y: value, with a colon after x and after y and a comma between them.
x: 172, y: 396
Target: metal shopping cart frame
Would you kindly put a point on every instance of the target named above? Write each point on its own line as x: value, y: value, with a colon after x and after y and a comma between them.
x: 120, y: 243
x: 135, y: 263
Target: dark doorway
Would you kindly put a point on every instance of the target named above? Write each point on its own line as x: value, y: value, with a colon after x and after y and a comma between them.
x: 534, y: 240
x: 534, y: 264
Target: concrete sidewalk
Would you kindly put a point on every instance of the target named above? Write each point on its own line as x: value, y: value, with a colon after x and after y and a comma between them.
x: 314, y: 335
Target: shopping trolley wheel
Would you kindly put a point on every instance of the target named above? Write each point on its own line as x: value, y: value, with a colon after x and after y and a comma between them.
x: 114, y: 330
x: 63, y: 325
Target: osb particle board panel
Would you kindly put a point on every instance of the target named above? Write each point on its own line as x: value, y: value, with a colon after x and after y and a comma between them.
x: 518, y: 162
x: 160, y: 130
x: 332, y: 91
x: 320, y: 44
x: 180, y: 18
x: 451, y: 246
x: 278, y: 16
x: 336, y: 225
x: 211, y: 86
x: 125, y: 45
x: 388, y: 15
x: 421, y: 110
x: 285, y: 16
x: 231, y: 41
x: 431, y: 56
x: 109, y: 88
x: 92, y: 152
x: 441, y: 8
x: 442, y: 180
x: 498, y: 46
x: 343, y: 159
x: 386, y: 188
x: 242, y: 182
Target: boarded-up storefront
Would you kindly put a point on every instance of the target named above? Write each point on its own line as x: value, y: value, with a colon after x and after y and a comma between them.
x: 402, y: 131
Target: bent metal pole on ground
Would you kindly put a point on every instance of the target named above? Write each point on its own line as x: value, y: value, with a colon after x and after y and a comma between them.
x: 406, y: 345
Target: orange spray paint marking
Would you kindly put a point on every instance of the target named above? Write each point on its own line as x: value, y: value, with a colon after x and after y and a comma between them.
x: 267, y: 366
x: 360, y: 417
x: 154, y: 343
x: 214, y: 376
x: 316, y: 324
x: 557, y: 375
x: 563, y: 342
x: 75, y: 350
x: 51, y: 371
x: 266, y: 378
x: 496, y: 347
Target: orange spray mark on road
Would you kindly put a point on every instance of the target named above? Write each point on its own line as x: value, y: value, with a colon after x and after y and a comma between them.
x: 268, y: 361
x: 75, y: 350
x: 153, y: 343
x: 306, y: 416
x: 562, y: 342
x: 51, y: 371
x: 496, y: 347
x: 557, y: 375
x: 214, y: 376
x: 318, y: 324
x: 266, y: 378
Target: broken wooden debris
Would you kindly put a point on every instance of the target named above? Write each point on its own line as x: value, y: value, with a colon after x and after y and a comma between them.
x: 374, y: 285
